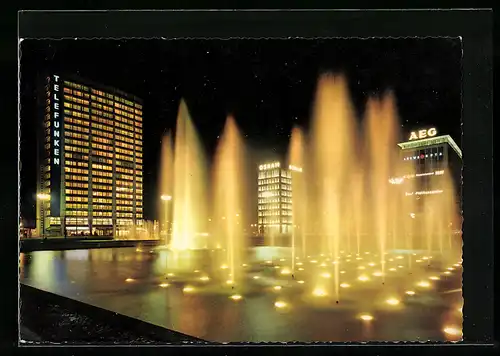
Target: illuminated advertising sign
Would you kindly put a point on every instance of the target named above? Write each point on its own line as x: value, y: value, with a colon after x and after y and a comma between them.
x: 56, y: 145
x: 294, y: 168
x: 424, y: 192
x: 56, y: 122
x: 421, y: 134
x: 267, y: 166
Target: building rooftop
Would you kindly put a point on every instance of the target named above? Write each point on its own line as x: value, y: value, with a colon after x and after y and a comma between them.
x: 97, y: 85
x: 430, y: 142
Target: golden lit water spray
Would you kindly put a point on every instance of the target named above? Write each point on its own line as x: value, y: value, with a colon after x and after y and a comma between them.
x: 299, y: 196
x: 229, y: 188
x: 190, y: 198
x: 332, y: 138
x: 166, y: 183
x: 382, y: 135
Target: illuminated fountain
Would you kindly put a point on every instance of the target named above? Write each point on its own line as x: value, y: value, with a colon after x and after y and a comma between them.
x: 382, y: 137
x: 360, y: 237
x: 190, y: 179
x: 187, y: 181
x: 299, y: 195
x: 229, y: 197
x: 332, y: 146
x: 358, y: 201
x: 166, y: 186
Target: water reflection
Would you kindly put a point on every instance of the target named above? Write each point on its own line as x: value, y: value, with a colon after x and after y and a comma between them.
x: 99, y: 277
x: 193, y: 316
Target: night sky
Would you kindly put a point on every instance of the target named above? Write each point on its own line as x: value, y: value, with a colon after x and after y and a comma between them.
x: 268, y: 85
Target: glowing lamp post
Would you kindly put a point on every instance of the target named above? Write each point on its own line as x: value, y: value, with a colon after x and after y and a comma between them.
x: 43, y: 197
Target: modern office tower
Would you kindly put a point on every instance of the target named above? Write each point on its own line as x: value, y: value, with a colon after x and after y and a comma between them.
x: 275, y: 199
x: 89, y: 158
x: 430, y: 157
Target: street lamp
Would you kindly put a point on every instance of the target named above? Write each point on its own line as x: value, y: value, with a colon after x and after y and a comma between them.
x: 43, y: 197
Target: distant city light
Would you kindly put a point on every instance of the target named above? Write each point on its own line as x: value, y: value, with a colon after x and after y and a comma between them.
x: 43, y: 196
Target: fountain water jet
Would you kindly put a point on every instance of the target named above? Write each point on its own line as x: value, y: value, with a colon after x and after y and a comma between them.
x: 299, y: 194
x: 189, y: 199
x: 382, y: 137
x: 345, y: 190
x: 229, y: 197
x: 332, y: 142
x: 166, y: 184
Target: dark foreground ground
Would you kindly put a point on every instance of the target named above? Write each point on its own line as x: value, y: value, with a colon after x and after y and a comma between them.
x: 50, y: 318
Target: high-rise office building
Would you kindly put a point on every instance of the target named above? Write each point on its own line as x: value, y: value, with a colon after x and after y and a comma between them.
x: 430, y: 157
x: 89, y: 158
x: 275, y: 198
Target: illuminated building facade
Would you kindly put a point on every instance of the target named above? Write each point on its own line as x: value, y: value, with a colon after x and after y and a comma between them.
x: 431, y: 157
x: 89, y: 158
x: 275, y: 198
